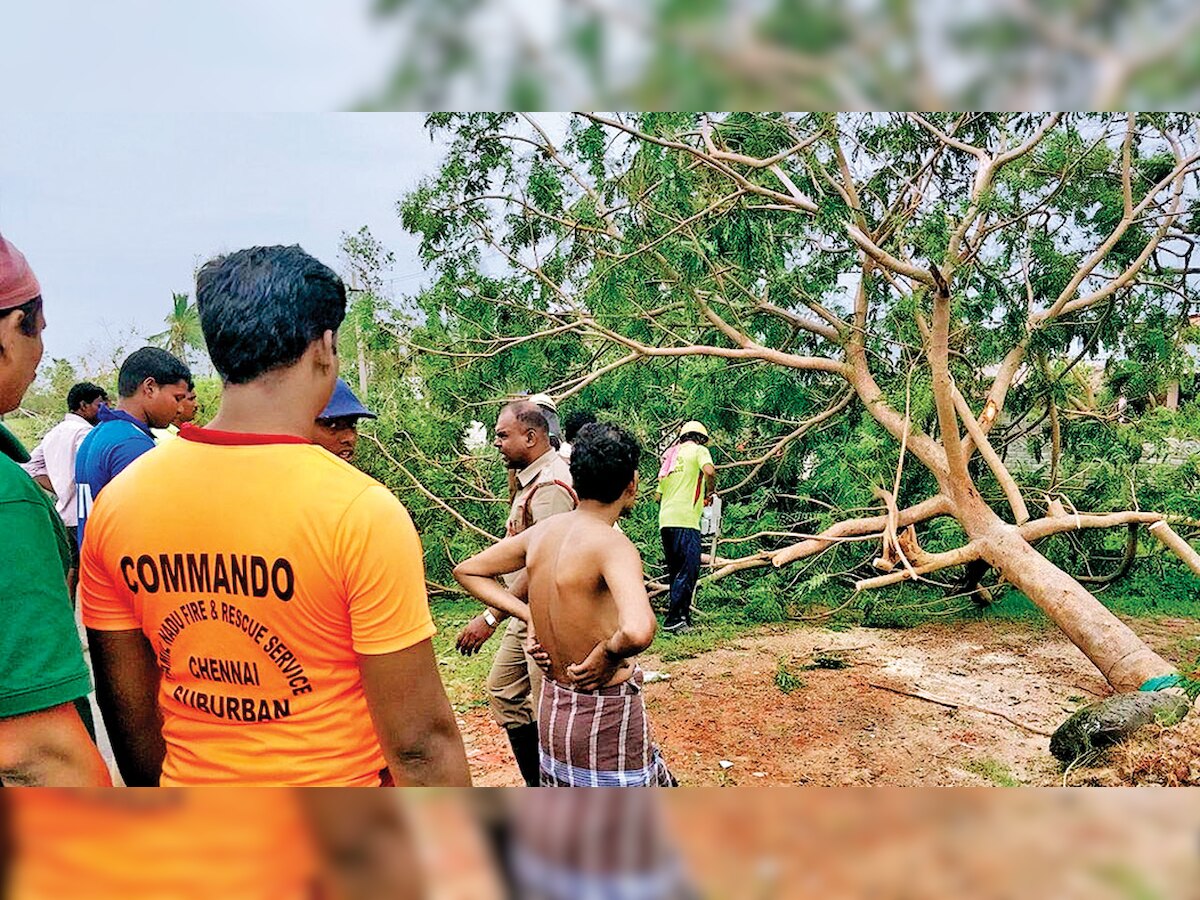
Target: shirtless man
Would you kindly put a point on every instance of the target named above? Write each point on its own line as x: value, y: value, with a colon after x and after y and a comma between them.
x: 589, y: 615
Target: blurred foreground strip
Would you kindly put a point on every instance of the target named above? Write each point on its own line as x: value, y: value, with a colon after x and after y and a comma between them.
x: 793, y: 54
x: 483, y: 844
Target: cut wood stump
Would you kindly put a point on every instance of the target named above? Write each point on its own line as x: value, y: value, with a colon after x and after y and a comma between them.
x: 1113, y: 719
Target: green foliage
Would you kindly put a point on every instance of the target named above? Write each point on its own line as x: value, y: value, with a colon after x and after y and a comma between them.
x: 630, y: 234
x: 786, y: 679
x: 763, y: 602
x: 792, y: 54
x: 183, y: 334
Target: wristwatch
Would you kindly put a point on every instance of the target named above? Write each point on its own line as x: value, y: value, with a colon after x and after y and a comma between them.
x: 490, y: 619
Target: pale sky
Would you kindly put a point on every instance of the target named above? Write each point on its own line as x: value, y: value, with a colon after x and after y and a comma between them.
x: 150, y: 55
x: 115, y: 210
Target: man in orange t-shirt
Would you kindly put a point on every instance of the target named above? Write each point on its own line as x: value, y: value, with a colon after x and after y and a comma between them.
x: 256, y: 606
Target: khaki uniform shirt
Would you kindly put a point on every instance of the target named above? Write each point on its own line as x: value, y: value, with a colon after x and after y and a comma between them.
x: 544, y: 490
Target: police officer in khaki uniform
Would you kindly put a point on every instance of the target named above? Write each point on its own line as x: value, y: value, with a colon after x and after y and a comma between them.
x: 543, y: 489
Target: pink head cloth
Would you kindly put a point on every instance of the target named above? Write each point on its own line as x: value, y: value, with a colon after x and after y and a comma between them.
x: 18, y: 284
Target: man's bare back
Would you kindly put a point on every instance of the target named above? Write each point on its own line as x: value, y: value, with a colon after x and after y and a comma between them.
x: 570, y: 600
x: 587, y: 598
x: 590, y: 616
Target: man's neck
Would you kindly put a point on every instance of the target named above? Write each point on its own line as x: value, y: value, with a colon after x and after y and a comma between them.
x: 131, y: 406
x: 534, y: 456
x: 264, y: 407
x: 609, y: 512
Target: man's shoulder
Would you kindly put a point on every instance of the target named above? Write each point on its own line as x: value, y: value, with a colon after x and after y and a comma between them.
x: 15, y: 483
x: 114, y: 432
x: 65, y: 427
x: 346, y: 476
x: 122, y: 432
x: 558, y: 469
x: 342, y: 486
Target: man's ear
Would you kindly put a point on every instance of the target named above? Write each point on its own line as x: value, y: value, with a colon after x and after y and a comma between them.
x: 327, y: 350
x: 10, y: 328
x: 147, y: 386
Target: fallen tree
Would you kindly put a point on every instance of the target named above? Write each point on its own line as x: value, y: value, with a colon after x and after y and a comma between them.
x: 916, y: 269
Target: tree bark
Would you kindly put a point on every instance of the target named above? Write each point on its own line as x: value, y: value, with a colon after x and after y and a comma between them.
x: 1055, y: 443
x: 1177, y: 545
x: 1120, y: 655
x: 362, y: 359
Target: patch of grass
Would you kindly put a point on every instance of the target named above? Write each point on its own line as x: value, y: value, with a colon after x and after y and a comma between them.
x: 464, y: 676
x: 1157, y: 586
x: 1137, y: 595
x: 995, y: 772
x: 786, y: 679
x: 1128, y: 881
x: 708, y: 636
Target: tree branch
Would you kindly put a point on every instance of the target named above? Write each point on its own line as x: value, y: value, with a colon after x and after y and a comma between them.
x: 751, y: 351
x: 428, y: 494
x: 1037, y: 529
x: 943, y: 387
x: 881, y: 256
x: 1177, y: 545
x: 817, y: 328
x: 1176, y: 175
x: 706, y: 159
x: 1007, y: 483
x: 938, y: 505
x: 933, y: 563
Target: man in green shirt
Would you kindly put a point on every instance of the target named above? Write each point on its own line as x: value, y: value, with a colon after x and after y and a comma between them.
x: 42, y: 739
x: 686, y: 483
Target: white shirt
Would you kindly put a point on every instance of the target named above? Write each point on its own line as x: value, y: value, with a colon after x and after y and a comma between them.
x: 54, y: 457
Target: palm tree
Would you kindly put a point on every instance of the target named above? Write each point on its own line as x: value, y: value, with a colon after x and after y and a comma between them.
x: 183, y: 328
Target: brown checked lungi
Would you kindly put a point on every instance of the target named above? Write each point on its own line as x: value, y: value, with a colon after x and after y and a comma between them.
x: 598, y: 738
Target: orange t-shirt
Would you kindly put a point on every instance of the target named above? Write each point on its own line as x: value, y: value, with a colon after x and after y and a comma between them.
x: 168, y: 845
x: 259, y: 567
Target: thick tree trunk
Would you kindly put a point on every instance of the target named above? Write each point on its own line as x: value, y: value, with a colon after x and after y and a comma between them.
x: 1120, y: 655
x: 1172, y: 400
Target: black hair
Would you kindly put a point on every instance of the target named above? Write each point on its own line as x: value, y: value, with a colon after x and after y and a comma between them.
x: 574, y: 421
x: 261, y: 308
x: 84, y: 393
x: 530, y: 415
x: 693, y: 436
x: 150, y: 362
x: 604, y: 459
x: 31, y: 308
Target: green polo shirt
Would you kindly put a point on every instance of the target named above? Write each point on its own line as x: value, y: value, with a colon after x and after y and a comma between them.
x: 683, y: 488
x: 41, y: 661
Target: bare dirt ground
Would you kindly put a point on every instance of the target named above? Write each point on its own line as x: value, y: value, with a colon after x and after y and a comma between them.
x: 843, y: 727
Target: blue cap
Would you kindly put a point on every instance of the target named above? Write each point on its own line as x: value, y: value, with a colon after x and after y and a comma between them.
x: 343, y: 403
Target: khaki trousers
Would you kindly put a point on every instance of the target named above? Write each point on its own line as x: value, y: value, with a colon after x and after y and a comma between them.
x: 515, y: 682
